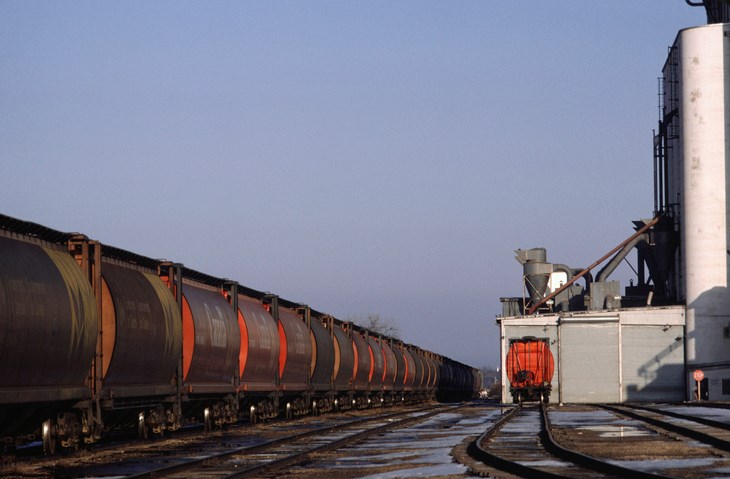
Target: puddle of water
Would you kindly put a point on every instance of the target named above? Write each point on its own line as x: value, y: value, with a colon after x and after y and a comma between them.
x: 377, y: 457
x: 722, y: 470
x: 616, y: 431
x: 544, y: 463
x: 717, y: 414
x: 426, y: 447
x: 580, y: 418
x: 423, y: 471
x: 659, y: 464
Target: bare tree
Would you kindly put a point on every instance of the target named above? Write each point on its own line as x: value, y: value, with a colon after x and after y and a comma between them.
x: 492, y: 381
x: 377, y: 324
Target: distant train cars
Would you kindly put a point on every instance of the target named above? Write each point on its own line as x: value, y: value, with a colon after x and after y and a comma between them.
x: 530, y: 368
x: 93, y: 338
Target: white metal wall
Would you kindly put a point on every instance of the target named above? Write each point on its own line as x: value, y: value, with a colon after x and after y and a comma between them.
x: 589, y: 358
x: 652, y: 363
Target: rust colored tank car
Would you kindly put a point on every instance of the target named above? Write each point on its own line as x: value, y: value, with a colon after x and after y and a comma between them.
x: 377, y: 364
x: 362, y: 362
x: 433, y: 371
x: 391, y: 367
x: 295, y: 355
x: 211, y: 341
x: 259, y: 357
x: 418, y: 362
x: 345, y: 364
x: 323, y: 354
x: 141, y: 331
x: 410, y: 378
x: 48, y: 331
x: 430, y: 375
x: 401, y: 366
x: 530, y: 369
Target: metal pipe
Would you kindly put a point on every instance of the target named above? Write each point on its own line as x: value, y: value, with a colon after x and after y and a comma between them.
x: 616, y: 260
x: 582, y: 273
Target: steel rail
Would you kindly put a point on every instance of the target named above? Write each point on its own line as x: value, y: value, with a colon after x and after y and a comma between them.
x: 590, y: 462
x: 709, y: 439
x: 687, y: 417
x: 181, y: 466
x: 303, y: 456
x: 478, y: 452
x: 600, y: 466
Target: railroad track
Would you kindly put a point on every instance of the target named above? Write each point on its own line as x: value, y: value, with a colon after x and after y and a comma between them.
x: 521, y: 444
x: 266, y: 458
x: 708, y: 431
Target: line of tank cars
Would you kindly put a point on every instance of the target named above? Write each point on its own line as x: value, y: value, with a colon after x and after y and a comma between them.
x: 94, y: 338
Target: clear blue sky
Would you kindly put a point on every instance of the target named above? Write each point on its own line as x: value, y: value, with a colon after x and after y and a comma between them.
x: 362, y: 157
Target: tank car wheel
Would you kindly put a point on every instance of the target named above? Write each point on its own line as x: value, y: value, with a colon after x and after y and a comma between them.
x: 207, y: 421
x: 252, y: 415
x: 49, y: 437
x: 542, y: 397
x: 142, y: 429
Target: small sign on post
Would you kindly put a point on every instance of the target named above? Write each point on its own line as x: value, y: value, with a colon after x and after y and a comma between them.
x: 698, y: 376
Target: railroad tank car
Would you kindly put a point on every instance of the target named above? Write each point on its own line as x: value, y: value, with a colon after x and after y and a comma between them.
x: 362, y: 361
x: 211, y: 340
x: 410, y: 377
x: 427, y: 371
x: 377, y: 368
x: 140, y: 331
x: 211, y: 350
x: 418, y: 361
x: 295, y: 354
x: 258, y: 359
x: 445, y: 377
x: 345, y: 363
x: 48, y: 332
x: 295, y: 360
x: 401, y: 367
x: 433, y: 372
x: 530, y: 368
x: 390, y: 368
x: 478, y: 382
x: 323, y: 355
x: 323, y: 361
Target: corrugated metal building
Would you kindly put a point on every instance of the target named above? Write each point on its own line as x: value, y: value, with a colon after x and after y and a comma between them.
x: 632, y: 354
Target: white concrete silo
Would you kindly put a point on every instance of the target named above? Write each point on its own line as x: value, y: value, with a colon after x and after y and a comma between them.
x: 704, y: 146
